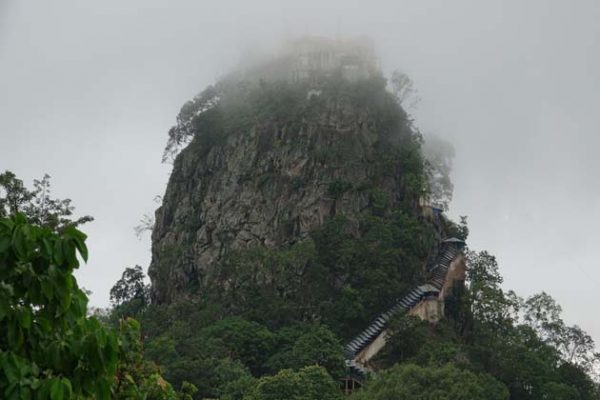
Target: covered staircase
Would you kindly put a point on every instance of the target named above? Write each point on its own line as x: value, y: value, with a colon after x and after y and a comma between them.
x: 376, y: 331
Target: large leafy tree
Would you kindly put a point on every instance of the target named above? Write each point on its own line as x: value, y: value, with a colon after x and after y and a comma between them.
x: 523, y: 342
x: 131, y: 286
x: 48, y: 347
x: 492, y: 308
x: 309, y: 383
x: 412, y: 382
x: 543, y: 314
x: 130, y: 294
x: 138, y: 378
x: 319, y: 346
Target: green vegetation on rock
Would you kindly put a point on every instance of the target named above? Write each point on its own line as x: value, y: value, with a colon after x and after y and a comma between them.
x: 293, y: 217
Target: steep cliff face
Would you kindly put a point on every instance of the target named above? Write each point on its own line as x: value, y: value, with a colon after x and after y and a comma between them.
x: 270, y: 162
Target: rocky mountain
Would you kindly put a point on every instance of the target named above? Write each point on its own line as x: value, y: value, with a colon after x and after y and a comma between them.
x: 266, y: 162
x: 298, y: 219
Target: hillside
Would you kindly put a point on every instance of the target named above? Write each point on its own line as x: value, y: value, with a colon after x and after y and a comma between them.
x: 270, y: 165
x: 296, y: 249
x: 296, y: 256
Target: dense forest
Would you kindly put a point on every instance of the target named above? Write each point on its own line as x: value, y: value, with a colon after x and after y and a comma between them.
x: 269, y: 319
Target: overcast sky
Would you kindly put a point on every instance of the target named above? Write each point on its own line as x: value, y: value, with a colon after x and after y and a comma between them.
x: 88, y: 91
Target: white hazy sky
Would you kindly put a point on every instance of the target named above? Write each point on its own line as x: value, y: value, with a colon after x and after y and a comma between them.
x: 88, y: 90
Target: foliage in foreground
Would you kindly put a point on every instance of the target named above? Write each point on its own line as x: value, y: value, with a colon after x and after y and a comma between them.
x: 49, y: 347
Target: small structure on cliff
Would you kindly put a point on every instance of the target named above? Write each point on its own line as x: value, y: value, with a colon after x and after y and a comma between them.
x: 313, y: 56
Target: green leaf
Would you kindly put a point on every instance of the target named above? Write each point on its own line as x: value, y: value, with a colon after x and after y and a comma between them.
x: 4, y: 243
x: 25, y: 318
x: 59, y: 257
x: 9, y: 366
x: 74, y: 233
x: 56, y: 389
x: 69, y: 253
x: 78, y: 239
x: 65, y: 302
x: 7, y: 225
x: 20, y: 219
x: 47, y: 289
x: 82, y: 250
x: 47, y: 246
x: 68, y: 388
x: 18, y: 242
x: 43, y: 324
x: 44, y: 390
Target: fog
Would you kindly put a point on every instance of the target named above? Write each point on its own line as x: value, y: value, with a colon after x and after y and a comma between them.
x: 88, y: 91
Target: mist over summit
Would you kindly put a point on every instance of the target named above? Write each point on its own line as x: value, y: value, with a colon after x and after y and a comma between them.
x: 308, y: 241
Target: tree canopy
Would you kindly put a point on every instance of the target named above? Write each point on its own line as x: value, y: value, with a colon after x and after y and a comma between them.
x: 37, y: 204
x: 412, y: 382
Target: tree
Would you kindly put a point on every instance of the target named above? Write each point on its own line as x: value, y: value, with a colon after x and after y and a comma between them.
x: 146, y: 225
x: 137, y: 378
x: 129, y: 296
x: 578, y: 347
x: 15, y: 196
x: 235, y: 390
x: 310, y: 383
x: 48, y: 347
x: 404, y: 90
x: 184, y: 130
x: 522, y: 342
x: 147, y: 221
x: 246, y: 341
x: 408, y: 335
x: 559, y: 391
x: 575, y: 377
x: 411, y: 382
x: 131, y: 286
x: 36, y: 204
x: 543, y: 314
x: 518, y: 359
x: 491, y: 307
x: 319, y: 346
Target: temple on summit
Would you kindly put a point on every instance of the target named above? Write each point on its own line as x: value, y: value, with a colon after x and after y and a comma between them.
x: 313, y: 56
